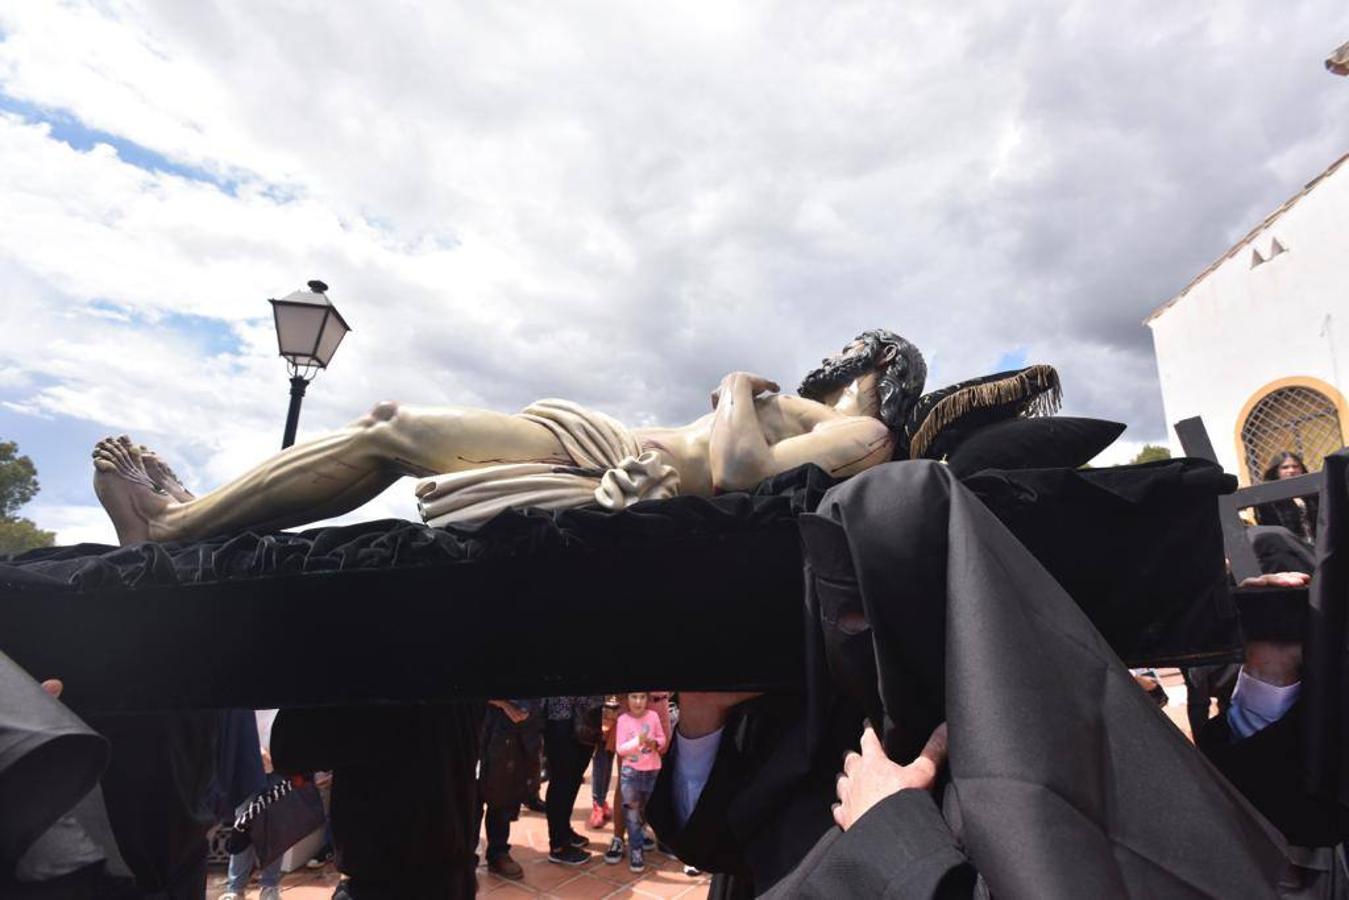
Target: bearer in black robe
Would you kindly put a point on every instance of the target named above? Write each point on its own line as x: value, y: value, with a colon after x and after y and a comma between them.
x: 404, y: 794
x: 55, y: 841
x: 1064, y: 779
x: 1282, y: 742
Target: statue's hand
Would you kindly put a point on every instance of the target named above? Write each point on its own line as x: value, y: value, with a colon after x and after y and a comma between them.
x: 757, y: 385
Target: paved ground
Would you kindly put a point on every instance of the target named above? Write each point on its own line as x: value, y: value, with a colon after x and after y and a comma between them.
x: 529, y: 840
x: 529, y: 847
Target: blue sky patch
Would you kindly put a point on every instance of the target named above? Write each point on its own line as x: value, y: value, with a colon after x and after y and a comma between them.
x: 74, y: 133
x: 1011, y: 359
x: 213, y: 336
x: 60, y: 448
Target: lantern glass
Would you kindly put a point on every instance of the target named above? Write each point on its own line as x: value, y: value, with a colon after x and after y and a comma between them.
x: 334, y: 329
x: 298, y: 327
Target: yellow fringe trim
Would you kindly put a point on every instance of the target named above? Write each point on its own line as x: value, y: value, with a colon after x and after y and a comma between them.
x: 1038, y: 385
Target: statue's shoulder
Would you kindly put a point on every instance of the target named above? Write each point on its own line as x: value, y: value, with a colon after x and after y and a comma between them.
x: 861, y: 430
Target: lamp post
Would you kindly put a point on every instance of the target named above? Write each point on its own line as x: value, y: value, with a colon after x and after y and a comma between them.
x: 308, y: 330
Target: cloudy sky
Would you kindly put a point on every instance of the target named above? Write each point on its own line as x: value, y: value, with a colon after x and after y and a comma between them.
x: 612, y: 203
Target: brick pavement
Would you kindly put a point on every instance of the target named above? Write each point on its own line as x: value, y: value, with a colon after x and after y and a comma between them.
x: 663, y: 877
x: 529, y: 847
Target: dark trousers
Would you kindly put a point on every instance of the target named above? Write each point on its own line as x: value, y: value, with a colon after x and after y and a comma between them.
x: 401, y: 818
x: 498, y: 821
x: 567, y: 761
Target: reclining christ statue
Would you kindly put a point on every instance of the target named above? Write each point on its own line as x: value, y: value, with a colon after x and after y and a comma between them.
x: 474, y: 463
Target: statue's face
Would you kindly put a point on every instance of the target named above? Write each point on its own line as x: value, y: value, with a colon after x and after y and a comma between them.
x: 837, y: 371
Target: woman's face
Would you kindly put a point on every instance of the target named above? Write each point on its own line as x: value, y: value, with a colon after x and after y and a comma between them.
x: 1291, y: 468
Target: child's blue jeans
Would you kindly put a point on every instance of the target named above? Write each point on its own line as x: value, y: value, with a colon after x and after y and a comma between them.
x: 636, y: 786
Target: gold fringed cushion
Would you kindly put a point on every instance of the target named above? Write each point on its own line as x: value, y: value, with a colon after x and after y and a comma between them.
x: 941, y: 419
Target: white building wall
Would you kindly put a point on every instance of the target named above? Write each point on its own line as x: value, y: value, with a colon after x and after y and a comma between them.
x: 1241, y: 328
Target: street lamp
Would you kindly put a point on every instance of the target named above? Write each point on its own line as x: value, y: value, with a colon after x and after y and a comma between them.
x: 1338, y: 62
x: 308, y: 330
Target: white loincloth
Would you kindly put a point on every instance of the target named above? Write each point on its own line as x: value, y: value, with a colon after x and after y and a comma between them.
x: 611, y: 470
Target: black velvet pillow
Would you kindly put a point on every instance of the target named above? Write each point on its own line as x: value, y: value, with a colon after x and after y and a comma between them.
x: 1043, y: 443
x: 941, y: 419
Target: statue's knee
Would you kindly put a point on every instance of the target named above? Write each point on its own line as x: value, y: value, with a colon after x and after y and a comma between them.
x: 383, y: 411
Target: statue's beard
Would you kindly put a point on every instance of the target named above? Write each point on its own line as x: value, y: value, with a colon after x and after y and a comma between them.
x: 834, y: 374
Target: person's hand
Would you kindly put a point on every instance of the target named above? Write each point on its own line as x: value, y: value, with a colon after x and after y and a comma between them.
x: 267, y: 760
x: 757, y: 385
x: 871, y: 776
x: 701, y: 713
x: 1277, y: 579
x: 513, y: 712
x: 54, y: 686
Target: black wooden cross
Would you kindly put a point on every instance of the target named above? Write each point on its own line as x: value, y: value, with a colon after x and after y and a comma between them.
x: 1195, y: 442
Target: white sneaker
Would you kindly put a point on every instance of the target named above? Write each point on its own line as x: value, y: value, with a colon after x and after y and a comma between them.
x: 269, y: 893
x: 230, y: 895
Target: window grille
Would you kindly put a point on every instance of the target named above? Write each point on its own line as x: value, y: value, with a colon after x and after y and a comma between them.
x: 1297, y: 418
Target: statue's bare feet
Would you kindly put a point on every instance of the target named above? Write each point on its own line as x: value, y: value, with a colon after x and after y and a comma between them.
x: 125, y: 489
x: 162, y: 476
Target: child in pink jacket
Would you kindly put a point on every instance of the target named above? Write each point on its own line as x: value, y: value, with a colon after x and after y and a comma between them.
x: 639, y: 740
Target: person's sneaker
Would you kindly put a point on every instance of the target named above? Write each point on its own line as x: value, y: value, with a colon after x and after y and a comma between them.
x: 579, y: 841
x: 320, y: 859
x: 506, y: 867
x: 343, y: 890
x: 614, y: 855
x: 608, y: 813
x: 596, y: 816
x: 270, y: 893
x: 637, y: 861
x: 569, y: 856
x: 536, y: 804
x: 230, y: 895
x: 648, y: 840
x: 692, y: 871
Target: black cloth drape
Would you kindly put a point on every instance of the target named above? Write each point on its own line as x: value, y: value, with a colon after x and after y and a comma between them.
x: 1138, y: 547
x: 49, y: 759
x: 902, y: 849
x: 1065, y: 779
x: 50, y: 762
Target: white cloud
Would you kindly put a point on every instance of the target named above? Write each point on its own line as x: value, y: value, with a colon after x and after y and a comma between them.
x: 1120, y: 453
x: 619, y: 204
x: 73, y: 523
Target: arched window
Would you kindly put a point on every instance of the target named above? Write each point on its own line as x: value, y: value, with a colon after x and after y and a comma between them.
x: 1296, y: 418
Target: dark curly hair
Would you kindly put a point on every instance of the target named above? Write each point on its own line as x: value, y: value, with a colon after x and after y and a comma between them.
x: 899, y: 382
